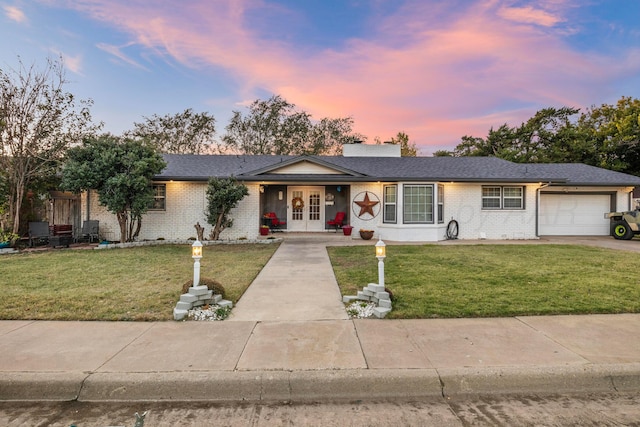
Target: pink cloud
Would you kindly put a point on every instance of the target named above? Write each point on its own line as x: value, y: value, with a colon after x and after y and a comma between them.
x: 529, y: 15
x: 433, y: 70
x: 15, y: 14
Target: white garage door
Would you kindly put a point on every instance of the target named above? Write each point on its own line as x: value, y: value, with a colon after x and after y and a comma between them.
x: 574, y: 215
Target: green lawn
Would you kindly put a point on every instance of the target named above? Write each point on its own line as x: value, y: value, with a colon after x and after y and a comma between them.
x: 495, y: 280
x: 121, y: 284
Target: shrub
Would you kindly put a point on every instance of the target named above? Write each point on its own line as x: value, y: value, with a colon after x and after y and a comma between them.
x: 211, y: 284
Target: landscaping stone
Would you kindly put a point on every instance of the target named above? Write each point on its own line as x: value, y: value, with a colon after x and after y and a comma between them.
x: 380, y: 312
x: 363, y: 297
x: 181, y: 305
x: 179, y: 314
x: 374, y: 287
x: 376, y: 295
x: 224, y: 303
x: 198, y: 290
x: 188, y: 298
x: 197, y: 297
x: 384, y: 303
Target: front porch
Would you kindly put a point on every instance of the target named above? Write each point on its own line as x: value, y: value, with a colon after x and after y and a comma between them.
x: 303, y: 208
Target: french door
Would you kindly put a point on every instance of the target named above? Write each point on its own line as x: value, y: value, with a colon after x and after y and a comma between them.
x: 305, y: 210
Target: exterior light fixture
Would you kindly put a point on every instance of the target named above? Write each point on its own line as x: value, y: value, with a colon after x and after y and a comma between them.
x: 381, y: 253
x: 196, y: 254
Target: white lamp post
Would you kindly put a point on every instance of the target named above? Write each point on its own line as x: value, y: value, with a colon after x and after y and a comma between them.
x: 196, y: 254
x: 381, y: 253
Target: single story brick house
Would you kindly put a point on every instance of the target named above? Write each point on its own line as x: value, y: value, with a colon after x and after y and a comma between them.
x: 400, y: 198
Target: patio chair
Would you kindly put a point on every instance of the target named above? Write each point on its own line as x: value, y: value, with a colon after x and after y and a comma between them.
x: 338, y: 221
x: 90, y: 230
x: 38, y: 232
x: 275, y: 224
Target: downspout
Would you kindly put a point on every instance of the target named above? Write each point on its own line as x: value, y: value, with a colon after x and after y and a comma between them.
x: 538, y: 207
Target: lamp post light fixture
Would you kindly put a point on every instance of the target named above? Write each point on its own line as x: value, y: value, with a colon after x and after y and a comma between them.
x: 381, y: 253
x: 196, y: 254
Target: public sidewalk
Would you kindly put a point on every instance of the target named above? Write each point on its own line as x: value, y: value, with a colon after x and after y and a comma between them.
x: 286, y: 356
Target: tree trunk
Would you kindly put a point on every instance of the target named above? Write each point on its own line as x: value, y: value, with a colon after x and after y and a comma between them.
x: 199, y: 231
x: 217, y: 229
x: 122, y: 221
x: 14, y: 210
x: 136, y: 233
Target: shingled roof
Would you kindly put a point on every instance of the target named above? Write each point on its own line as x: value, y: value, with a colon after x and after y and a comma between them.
x: 185, y: 167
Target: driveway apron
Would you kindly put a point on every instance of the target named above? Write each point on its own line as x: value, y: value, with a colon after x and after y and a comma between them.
x: 297, y: 283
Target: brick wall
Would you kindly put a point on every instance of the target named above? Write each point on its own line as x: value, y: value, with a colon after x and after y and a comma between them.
x: 185, y: 205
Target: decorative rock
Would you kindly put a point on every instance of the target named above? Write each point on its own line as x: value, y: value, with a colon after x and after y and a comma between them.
x: 376, y: 296
x: 217, y: 298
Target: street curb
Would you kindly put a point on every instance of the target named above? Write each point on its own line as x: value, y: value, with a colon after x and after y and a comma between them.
x: 541, y: 380
x: 41, y: 386
x: 320, y: 385
x: 262, y: 386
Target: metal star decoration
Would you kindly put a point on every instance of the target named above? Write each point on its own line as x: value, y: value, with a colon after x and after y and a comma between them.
x: 366, y: 205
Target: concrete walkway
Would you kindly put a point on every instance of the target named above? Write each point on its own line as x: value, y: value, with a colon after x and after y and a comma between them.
x: 298, y: 352
x: 296, y: 284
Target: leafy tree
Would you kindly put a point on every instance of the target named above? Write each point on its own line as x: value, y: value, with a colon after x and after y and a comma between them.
x: 407, y: 148
x: 607, y: 136
x: 39, y: 121
x: 276, y: 127
x: 613, y: 133
x: 120, y: 170
x: 183, y: 133
x: 223, y: 194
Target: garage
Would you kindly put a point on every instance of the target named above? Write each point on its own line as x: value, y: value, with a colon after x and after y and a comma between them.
x: 574, y: 214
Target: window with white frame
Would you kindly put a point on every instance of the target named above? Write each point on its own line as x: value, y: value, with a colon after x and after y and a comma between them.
x: 159, y: 197
x: 440, y: 203
x: 390, y: 204
x: 502, y: 197
x: 417, y: 204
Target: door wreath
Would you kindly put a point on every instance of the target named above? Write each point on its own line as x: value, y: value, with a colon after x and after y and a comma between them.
x: 297, y: 203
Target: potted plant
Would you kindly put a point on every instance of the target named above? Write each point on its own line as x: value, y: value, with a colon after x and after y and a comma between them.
x: 264, y: 230
x: 346, y: 230
x: 7, y: 239
x: 366, y: 234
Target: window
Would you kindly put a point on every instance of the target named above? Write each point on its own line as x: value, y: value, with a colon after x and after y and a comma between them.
x: 390, y: 203
x: 418, y: 204
x: 440, y: 204
x: 502, y: 197
x: 159, y: 197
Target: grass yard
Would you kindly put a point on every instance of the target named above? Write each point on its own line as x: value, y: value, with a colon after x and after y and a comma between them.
x: 141, y: 283
x: 495, y: 280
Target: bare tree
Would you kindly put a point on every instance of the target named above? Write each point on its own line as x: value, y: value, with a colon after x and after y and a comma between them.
x: 38, y: 122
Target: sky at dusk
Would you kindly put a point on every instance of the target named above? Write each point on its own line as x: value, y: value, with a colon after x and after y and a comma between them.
x: 434, y: 69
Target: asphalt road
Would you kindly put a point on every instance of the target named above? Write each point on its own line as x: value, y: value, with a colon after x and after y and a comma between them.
x: 561, y: 410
